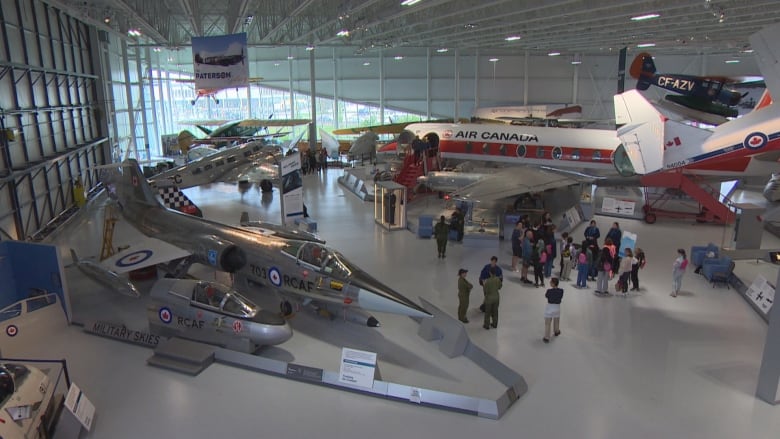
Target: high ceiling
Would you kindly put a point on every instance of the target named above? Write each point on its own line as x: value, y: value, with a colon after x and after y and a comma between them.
x: 567, y: 26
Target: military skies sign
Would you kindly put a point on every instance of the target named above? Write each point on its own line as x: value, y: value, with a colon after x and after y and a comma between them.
x: 220, y: 62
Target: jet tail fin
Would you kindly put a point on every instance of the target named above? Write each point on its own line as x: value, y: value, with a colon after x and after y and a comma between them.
x: 764, y: 42
x: 330, y: 143
x: 642, y: 69
x: 647, y: 133
x: 133, y: 187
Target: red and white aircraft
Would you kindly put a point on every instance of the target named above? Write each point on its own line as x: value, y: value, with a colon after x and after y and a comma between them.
x: 650, y: 150
x: 748, y: 146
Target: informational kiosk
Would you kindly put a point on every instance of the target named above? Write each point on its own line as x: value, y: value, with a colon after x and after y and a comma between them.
x: 390, y: 205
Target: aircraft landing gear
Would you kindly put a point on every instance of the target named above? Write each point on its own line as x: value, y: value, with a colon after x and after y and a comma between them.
x: 286, y: 308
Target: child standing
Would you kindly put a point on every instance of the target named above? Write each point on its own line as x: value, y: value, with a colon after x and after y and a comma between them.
x: 678, y: 270
x: 566, y: 258
x: 539, y: 260
x: 552, y: 312
x: 625, y: 270
x: 636, y: 264
x: 582, y: 265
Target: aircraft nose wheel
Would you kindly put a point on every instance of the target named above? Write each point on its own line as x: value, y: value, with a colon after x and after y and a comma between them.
x: 650, y: 218
x: 286, y: 308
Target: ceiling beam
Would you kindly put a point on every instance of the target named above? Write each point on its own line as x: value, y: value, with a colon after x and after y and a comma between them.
x: 189, y: 12
x: 287, y: 20
x: 242, y: 12
x: 146, y: 28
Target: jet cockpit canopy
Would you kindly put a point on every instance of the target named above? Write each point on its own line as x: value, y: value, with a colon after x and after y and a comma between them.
x: 223, y: 299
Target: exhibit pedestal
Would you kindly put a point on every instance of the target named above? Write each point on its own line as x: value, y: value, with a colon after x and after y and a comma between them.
x: 768, y: 388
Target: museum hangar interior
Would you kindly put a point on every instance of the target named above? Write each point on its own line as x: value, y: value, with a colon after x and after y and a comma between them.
x: 86, y: 84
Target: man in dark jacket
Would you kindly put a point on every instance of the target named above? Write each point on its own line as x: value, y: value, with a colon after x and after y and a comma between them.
x: 440, y: 232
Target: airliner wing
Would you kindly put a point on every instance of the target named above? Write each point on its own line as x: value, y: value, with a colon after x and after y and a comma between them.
x: 143, y: 253
x: 517, y: 180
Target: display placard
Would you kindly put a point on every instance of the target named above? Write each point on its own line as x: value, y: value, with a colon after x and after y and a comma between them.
x: 78, y: 404
x: 357, y: 367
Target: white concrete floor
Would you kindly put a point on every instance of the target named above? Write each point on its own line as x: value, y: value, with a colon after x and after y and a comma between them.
x: 647, y: 366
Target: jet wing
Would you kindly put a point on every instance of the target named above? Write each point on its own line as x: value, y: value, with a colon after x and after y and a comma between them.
x: 255, y: 172
x: 143, y: 253
x: 517, y: 180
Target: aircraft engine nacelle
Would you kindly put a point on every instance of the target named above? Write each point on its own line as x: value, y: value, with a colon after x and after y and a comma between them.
x: 216, y: 252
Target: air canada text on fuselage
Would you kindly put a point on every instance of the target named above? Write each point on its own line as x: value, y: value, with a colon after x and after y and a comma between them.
x: 502, y: 137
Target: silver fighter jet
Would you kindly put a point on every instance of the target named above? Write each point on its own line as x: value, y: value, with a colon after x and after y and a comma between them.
x: 301, y: 272
x: 214, y: 313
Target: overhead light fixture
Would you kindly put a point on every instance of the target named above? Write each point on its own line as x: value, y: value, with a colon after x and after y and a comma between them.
x: 366, y: 63
x: 553, y: 53
x: 513, y: 38
x: 732, y: 61
x: 398, y: 57
x: 157, y: 49
x: 309, y: 48
x: 746, y: 51
x: 410, y: 2
x: 493, y: 60
x: 342, y: 33
x: 248, y: 20
x: 442, y: 50
x: 576, y: 60
x: 107, y: 20
x: 645, y: 17
x: 133, y: 32
x: 646, y: 45
x: 290, y: 57
x: 469, y: 25
x: 276, y: 64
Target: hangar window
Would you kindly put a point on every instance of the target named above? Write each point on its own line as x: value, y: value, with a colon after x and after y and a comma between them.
x: 557, y: 153
x: 540, y: 152
x: 521, y: 150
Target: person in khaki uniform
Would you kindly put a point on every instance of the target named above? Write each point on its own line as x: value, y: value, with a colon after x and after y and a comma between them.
x: 440, y: 232
x: 464, y: 289
x: 491, y: 285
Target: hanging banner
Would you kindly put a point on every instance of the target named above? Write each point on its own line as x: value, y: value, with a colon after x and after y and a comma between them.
x: 292, y: 188
x: 220, y: 62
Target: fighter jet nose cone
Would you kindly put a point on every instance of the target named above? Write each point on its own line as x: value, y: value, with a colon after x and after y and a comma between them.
x: 374, y: 296
x: 373, y: 322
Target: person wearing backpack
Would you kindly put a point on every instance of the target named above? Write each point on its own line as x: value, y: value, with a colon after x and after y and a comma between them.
x: 678, y: 270
x: 582, y: 265
x: 637, y: 263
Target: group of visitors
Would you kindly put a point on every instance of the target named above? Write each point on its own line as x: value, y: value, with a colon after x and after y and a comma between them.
x: 533, y: 245
x: 314, y: 161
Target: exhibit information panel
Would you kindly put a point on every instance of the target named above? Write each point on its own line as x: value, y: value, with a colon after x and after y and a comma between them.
x: 357, y: 367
